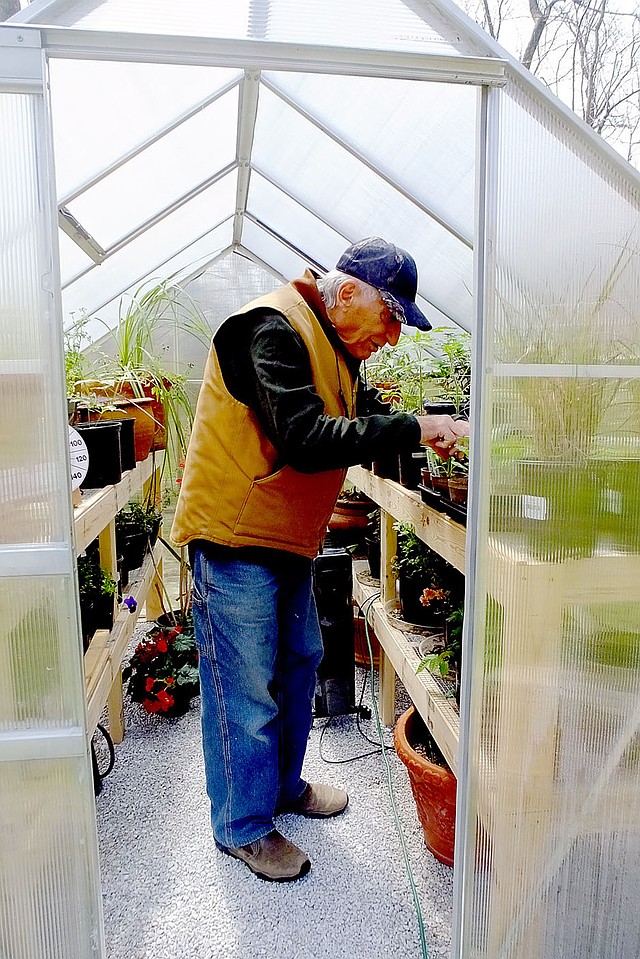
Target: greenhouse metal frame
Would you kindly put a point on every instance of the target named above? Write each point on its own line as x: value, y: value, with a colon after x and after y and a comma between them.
x: 542, y: 268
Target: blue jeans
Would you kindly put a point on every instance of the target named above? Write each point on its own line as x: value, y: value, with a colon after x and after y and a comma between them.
x: 260, y: 645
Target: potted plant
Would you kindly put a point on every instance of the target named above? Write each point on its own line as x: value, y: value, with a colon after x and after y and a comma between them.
x: 458, y: 472
x: 75, y: 361
x: 128, y: 369
x: 137, y: 528
x: 445, y: 657
x: 420, y: 568
x: 397, y: 372
x: 162, y: 673
x: 432, y: 783
x: 97, y: 597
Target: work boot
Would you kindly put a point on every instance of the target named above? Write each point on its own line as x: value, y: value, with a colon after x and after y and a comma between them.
x: 273, y: 857
x: 320, y: 801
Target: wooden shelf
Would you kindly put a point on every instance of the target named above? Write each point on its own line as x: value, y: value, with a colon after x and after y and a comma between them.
x: 437, y: 710
x: 99, y: 507
x: 94, y: 517
x: 400, y: 656
x: 438, y: 531
x: 103, y: 658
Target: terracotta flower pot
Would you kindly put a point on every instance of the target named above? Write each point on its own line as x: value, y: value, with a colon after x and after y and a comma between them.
x: 440, y: 484
x: 361, y: 647
x: 433, y: 787
x: 141, y: 409
x: 351, y: 514
x: 458, y: 488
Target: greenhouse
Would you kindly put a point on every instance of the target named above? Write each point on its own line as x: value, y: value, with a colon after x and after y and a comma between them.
x: 163, y: 166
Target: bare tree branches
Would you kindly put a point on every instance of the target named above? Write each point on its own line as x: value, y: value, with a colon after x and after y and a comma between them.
x: 586, y: 51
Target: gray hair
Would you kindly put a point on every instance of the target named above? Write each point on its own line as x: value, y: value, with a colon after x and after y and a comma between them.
x: 330, y: 283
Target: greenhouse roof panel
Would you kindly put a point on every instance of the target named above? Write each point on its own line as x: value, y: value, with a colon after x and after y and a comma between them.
x: 157, y: 177
x: 419, y: 135
x: 156, y: 247
x: 104, y: 111
x: 367, y: 24
x: 279, y: 212
x: 346, y: 195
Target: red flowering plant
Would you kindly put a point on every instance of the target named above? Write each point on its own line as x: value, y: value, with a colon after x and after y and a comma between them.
x: 162, y: 674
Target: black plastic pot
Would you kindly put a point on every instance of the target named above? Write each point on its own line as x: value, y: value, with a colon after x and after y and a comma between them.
x: 413, y: 611
x: 387, y: 467
x: 441, y: 408
x: 373, y: 555
x: 127, y: 442
x: 410, y: 465
x: 96, y: 612
x: 133, y: 547
x: 103, y: 446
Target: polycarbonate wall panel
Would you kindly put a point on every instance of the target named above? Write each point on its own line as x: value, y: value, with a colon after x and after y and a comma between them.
x: 47, y: 866
x: 553, y: 868
x: 103, y: 110
x: 356, y: 202
x: 33, y: 473
x: 49, y: 889
x: 39, y: 686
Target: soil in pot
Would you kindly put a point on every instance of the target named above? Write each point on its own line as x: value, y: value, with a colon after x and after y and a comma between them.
x: 432, y: 783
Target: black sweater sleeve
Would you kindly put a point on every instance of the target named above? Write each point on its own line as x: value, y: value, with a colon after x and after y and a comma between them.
x: 266, y: 366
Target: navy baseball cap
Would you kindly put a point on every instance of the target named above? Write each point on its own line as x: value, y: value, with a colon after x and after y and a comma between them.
x: 389, y: 269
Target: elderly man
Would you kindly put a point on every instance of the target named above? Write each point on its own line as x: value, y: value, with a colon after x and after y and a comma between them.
x: 281, y: 414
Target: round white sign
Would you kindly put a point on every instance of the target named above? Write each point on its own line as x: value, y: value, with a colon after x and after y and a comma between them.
x: 79, y: 456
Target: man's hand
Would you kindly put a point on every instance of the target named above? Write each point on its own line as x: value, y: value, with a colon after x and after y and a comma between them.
x: 441, y: 432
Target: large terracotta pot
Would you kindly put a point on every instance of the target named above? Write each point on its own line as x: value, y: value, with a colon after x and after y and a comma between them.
x: 141, y: 409
x: 351, y: 514
x: 159, y: 441
x: 433, y: 787
x: 147, y: 410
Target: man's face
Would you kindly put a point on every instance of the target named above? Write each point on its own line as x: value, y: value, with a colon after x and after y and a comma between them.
x: 363, y: 321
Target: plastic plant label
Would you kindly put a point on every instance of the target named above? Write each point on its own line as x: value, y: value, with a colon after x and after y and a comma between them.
x: 533, y: 507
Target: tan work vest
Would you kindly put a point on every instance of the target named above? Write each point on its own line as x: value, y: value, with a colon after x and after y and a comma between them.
x: 232, y: 491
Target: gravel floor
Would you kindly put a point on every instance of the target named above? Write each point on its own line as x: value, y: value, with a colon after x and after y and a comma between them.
x: 169, y: 894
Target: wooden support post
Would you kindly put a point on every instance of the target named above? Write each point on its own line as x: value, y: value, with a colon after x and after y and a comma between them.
x: 155, y: 596
x: 115, y: 708
x: 388, y: 547
x: 108, y: 553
